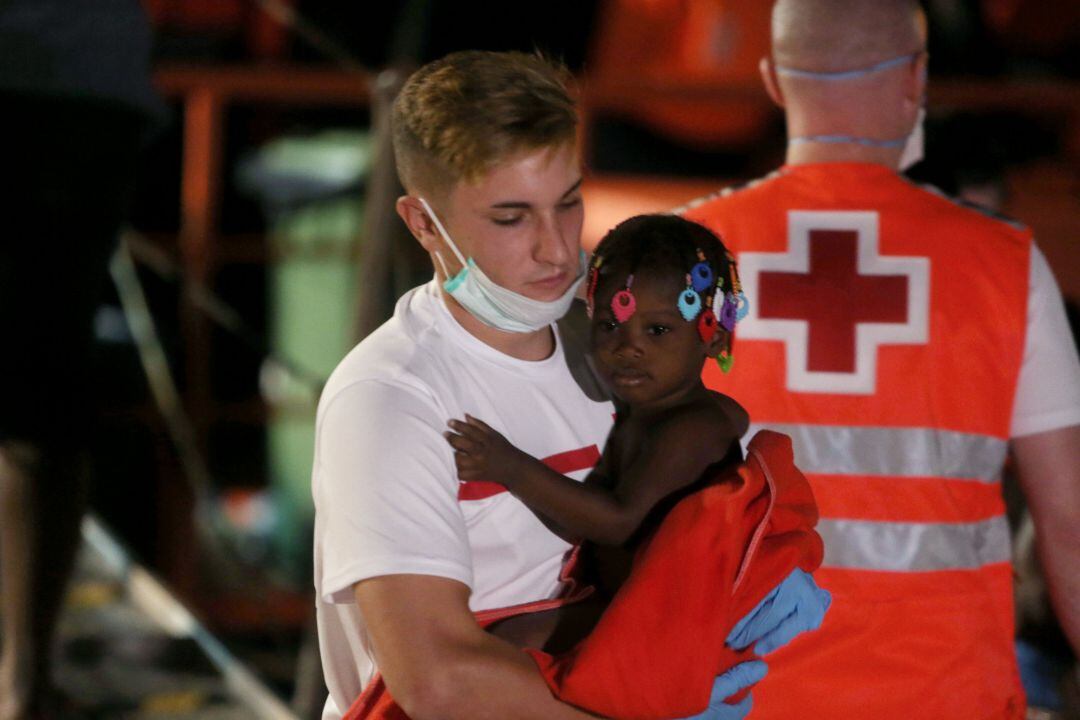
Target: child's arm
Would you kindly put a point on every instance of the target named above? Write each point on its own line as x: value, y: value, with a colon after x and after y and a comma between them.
x: 597, y: 477
x: 676, y: 453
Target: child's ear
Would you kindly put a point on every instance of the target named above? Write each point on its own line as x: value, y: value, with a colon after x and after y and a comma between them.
x: 721, y: 340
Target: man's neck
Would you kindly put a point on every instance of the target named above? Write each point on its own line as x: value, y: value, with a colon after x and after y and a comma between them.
x: 806, y: 153
x: 537, y: 345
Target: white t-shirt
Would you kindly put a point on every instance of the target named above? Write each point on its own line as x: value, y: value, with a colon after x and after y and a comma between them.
x: 1048, y: 389
x: 387, y: 497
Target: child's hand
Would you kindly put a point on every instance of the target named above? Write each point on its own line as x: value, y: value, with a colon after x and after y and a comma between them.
x: 481, y: 453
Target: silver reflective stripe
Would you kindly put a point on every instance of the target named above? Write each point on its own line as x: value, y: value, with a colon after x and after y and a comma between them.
x: 914, y: 547
x: 896, y: 452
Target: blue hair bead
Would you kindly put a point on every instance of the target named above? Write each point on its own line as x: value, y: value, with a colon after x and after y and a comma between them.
x: 743, y: 306
x: 689, y: 304
x: 702, y: 276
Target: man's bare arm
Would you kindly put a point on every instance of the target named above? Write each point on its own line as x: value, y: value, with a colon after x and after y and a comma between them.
x: 1049, y: 468
x: 438, y: 664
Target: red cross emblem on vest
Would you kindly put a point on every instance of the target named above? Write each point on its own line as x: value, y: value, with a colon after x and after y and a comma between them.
x: 833, y: 300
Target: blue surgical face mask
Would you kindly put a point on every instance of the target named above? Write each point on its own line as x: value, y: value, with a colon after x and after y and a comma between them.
x: 493, y: 304
x: 912, y: 143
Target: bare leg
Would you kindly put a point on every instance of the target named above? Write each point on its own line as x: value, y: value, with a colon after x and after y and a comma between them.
x: 41, y: 502
x: 553, y: 631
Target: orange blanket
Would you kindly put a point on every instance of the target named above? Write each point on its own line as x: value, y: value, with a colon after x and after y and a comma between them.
x: 660, y: 643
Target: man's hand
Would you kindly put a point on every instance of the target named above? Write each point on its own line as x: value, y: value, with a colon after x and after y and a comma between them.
x: 737, y: 678
x: 481, y: 453
x: 794, y: 606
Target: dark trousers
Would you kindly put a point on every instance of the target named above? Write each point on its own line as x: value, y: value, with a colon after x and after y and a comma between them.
x: 69, y: 168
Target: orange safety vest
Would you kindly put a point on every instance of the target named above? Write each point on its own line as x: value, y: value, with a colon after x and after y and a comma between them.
x: 885, y: 333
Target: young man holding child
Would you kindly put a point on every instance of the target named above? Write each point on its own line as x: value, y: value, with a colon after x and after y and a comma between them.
x: 405, y: 554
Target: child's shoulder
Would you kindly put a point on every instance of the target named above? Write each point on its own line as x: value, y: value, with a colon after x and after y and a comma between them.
x: 699, y: 433
x: 715, y: 416
x: 732, y: 411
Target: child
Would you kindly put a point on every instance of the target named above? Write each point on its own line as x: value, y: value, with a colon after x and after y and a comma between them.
x: 705, y: 535
x: 663, y: 297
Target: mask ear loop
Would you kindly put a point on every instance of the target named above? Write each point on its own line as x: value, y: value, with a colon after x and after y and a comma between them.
x: 442, y: 264
x: 445, y: 236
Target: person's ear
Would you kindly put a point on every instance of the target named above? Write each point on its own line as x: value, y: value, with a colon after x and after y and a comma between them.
x: 721, y: 340
x: 769, y: 79
x: 915, y: 90
x: 420, y: 224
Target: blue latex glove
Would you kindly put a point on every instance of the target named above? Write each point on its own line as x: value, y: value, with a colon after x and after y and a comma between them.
x: 794, y: 606
x: 741, y: 676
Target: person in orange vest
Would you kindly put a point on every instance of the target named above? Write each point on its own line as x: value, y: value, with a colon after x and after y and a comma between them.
x: 908, y: 343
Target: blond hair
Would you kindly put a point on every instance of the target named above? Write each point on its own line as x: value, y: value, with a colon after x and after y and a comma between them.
x: 458, y: 116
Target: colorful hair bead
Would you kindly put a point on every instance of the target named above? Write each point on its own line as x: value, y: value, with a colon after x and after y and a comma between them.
x: 689, y: 301
x: 725, y: 360
x: 623, y: 303
x: 743, y: 306
x: 706, y: 325
x: 702, y: 273
x: 729, y: 312
x: 733, y: 270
